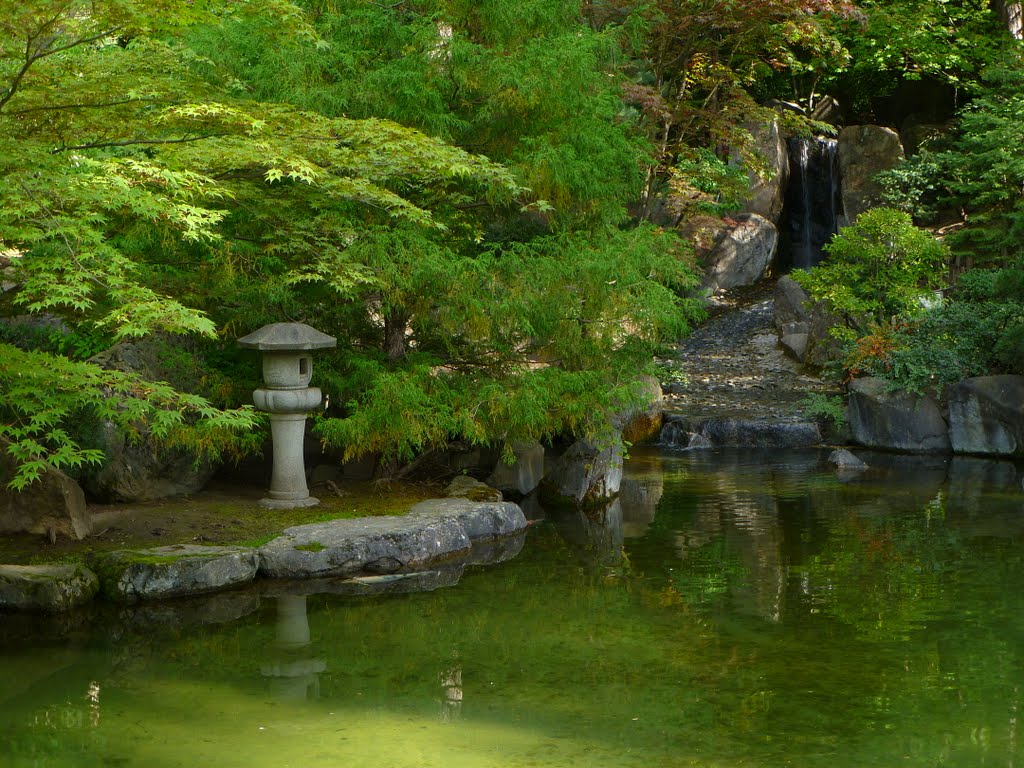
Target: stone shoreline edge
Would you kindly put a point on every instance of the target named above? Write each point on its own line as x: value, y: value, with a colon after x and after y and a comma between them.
x: 432, y: 532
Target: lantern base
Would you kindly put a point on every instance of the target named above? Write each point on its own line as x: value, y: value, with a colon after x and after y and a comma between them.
x: 309, y: 501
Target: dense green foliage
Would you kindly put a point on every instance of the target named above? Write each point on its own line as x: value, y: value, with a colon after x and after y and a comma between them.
x: 880, y: 267
x: 948, y: 42
x: 460, y: 192
x: 977, y: 330
x: 150, y: 188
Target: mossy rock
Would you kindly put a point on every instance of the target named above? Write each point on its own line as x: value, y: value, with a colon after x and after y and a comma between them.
x: 128, y: 576
x: 46, y: 588
x: 466, y: 487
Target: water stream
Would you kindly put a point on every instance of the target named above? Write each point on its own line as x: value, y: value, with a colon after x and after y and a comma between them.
x: 734, y: 608
x: 813, y: 199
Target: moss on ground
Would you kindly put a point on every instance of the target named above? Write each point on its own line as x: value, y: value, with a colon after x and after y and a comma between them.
x: 220, y: 516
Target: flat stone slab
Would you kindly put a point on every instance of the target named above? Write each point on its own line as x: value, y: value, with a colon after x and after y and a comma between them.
x: 48, y: 588
x: 432, y: 531
x: 480, y: 519
x: 128, y: 576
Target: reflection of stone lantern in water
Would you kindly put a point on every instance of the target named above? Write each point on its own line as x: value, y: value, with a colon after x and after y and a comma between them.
x: 293, y: 674
x: 451, y: 684
x: 287, y: 397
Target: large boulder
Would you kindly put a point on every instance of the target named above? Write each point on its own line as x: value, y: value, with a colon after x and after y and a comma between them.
x: 483, y: 520
x: 865, y: 150
x: 986, y: 415
x: 47, y: 588
x: 128, y: 576
x: 586, y: 475
x: 791, y: 304
x: 141, y: 469
x: 768, y: 190
x: 900, y: 421
x: 53, y: 505
x: 845, y: 461
x: 804, y: 327
x: 742, y: 255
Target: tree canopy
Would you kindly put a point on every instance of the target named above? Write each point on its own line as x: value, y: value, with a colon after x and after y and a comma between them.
x: 461, y: 192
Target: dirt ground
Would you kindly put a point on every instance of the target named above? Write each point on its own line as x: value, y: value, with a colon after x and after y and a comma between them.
x: 220, y: 514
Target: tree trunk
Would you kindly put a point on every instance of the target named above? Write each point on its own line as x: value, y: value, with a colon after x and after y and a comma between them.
x: 395, y: 324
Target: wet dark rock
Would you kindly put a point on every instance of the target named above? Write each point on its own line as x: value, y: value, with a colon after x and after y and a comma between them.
x: 739, y: 433
x: 373, y: 584
x: 677, y: 434
x: 522, y: 476
x: 986, y: 415
x: 46, y: 588
x: 895, y: 420
x: 585, y: 475
x: 201, y: 611
x: 742, y: 433
x: 845, y: 461
x: 128, y: 576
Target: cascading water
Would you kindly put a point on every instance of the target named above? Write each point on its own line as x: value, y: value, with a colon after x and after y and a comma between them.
x: 813, y: 199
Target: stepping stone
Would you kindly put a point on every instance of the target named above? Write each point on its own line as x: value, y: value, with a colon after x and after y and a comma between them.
x: 128, y: 576
x: 47, y: 588
x: 433, y: 531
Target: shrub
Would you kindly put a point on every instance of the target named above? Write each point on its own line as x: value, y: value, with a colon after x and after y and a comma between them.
x: 879, y: 268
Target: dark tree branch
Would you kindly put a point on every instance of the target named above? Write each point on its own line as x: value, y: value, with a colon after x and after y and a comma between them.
x: 132, y: 142
x: 86, y: 105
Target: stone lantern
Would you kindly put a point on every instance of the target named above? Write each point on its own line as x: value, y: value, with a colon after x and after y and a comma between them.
x: 287, y: 397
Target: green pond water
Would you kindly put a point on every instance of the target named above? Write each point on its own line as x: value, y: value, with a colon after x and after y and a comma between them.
x: 735, y: 609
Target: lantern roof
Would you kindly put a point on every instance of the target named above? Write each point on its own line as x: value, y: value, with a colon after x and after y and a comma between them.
x: 284, y: 337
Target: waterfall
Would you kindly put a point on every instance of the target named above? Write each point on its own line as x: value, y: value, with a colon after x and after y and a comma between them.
x: 813, y: 201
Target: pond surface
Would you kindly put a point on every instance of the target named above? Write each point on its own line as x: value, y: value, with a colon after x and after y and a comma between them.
x: 735, y: 609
